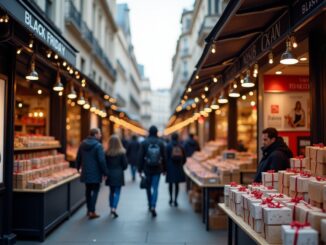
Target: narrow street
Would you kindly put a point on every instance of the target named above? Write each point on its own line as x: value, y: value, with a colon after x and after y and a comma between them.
x: 135, y: 226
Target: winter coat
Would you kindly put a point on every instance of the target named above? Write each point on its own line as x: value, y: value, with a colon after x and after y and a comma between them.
x: 116, y: 165
x: 132, y: 152
x: 275, y: 157
x: 174, y: 173
x: 91, y: 160
x: 190, y: 146
x: 141, y: 163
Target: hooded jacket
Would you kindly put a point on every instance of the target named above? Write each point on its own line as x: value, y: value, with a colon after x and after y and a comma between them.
x: 91, y: 160
x: 275, y: 157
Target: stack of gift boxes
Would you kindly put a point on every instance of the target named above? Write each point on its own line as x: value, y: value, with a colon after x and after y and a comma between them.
x: 31, y: 140
x: 289, y: 206
x: 40, y: 170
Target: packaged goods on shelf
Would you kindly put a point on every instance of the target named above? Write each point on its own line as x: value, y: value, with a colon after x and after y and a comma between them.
x: 27, y: 141
x: 299, y: 234
x: 229, y: 154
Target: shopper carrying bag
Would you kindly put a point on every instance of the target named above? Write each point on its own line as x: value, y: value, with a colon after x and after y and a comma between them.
x: 116, y: 162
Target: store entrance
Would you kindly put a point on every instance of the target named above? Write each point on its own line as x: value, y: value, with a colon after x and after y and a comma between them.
x: 287, y: 101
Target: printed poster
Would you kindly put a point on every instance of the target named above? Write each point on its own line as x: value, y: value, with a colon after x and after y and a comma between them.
x: 287, y: 111
x: 2, y: 121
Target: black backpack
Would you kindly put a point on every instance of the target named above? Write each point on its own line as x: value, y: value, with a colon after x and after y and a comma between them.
x: 153, y: 155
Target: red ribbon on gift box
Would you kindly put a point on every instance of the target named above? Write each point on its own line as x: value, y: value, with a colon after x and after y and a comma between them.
x: 270, y: 187
x: 233, y: 184
x: 319, y: 178
x: 278, y: 195
x: 266, y: 201
x: 274, y: 205
x: 256, y: 184
x: 295, y: 200
x: 242, y: 188
x: 297, y: 226
x: 300, y: 158
x: 321, y: 145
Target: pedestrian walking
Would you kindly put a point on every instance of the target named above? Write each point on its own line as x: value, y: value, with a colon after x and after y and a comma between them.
x: 191, y: 145
x: 116, y: 162
x: 175, y: 159
x: 132, y: 154
x: 91, y: 162
x: 152, y: 162
x: 276, y: 154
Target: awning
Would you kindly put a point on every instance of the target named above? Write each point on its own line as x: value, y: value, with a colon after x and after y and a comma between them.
x: 246, y: 31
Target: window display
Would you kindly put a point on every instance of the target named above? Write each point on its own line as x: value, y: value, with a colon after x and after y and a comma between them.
x: 73, y: 127
x: 2, y: 121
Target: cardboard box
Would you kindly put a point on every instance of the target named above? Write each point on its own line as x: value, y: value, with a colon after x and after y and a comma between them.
x: 303, y: 236
x: 218, y: 222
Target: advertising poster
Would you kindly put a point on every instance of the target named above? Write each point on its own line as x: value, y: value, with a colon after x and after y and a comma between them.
x: 287, y: 111
x: 2, y: 121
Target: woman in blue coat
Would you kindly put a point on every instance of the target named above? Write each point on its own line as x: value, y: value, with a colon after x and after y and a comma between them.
x: 176, y: 158
x: 116, y: 162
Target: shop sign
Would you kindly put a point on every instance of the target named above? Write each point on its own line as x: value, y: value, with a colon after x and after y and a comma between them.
x: 275, y: 83
x: 26, y: 16
x: 2, y: 122
x: 37, y: 28
x: 303, y: 8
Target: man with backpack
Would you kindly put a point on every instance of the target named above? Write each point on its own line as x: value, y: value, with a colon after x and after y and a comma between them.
x: 151, y: 162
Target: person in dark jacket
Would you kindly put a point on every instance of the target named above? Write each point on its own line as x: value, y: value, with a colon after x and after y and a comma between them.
x: 91, y: 160
x: 175, y: 159
x: 116, y: 162
x: 191, y: 145
x: 152, y: 162
x: 132, y: 153
x: 276, y: 154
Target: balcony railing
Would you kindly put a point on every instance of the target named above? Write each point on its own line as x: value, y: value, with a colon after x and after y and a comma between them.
x: 73, y: 15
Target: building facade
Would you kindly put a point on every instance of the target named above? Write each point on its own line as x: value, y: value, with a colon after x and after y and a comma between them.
x: 196, y: 24
x: 146, y: 100
x: 100, y: 31
x: 160, y: 108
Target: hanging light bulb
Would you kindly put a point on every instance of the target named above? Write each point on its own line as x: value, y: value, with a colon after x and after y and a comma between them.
x: 31, y: 43
x: 72, y: 93
x: 93, y: 107
x: 86, y: 106
x: 81, y: 99
x: 293, y: 42
x: 222, y: 99
x: 56, y: 56
x: 33, y: 75
x: 214, y: 105
x: 19, y: 50
x: 64, y: 63
x: 255, y: 72
x: 49, y: 54
x: 270, y: 58
x: 58, y: 86
x: 203, y: 96
x: 197, y: 77
x: 213, y: 49
x: 196, y: 100
x: 206, y: 89
x: 287, y: 57
x: 60, y: 93
x: 189, y: 90
x: 233, y: 92
x: 207, y: 108
x: 247, y: 83
x: 215, y: 80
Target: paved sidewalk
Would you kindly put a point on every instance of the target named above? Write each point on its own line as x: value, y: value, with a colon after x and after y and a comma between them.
x: 135, y: 226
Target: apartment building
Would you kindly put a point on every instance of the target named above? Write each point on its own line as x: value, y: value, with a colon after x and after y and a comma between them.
x: 196, y: 24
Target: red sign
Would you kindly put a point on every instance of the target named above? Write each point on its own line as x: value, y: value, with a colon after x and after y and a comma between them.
x: 275, y: 109
x: 273, y: 83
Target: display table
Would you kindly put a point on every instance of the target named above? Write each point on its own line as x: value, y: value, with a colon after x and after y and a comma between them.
x: 36, y: 212
x: 206, y: 187
x: 238, y: 223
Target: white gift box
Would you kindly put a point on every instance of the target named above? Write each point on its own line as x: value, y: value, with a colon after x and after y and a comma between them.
x: 305, y: 236
x: 277, y: 216
x: 315, y: 189
x: 236, y: 195
x: 227, y: 189
x: 266, y: 191
x: 256, y: 210
x: 256, y: 224
x: 247, y: 199
x: 272, y: 233
x: 298, y: 163
x: 269, y: 177
x: 299, y: 183
x: 227, y: 201
x: 323, y: 230
x: 238, y: 209
x: 314, y: 218
x: 303, y: 210
x: 294, y: 208
x: 254, y: 187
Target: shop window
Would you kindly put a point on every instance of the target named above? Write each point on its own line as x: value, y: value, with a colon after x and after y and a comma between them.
x: 73, y: 128
x: 31, y: 109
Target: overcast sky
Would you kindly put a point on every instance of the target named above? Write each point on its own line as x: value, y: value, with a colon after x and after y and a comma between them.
x: 155, y: 28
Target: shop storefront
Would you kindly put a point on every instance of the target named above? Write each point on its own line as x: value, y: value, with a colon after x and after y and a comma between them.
x: 47, y: 108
